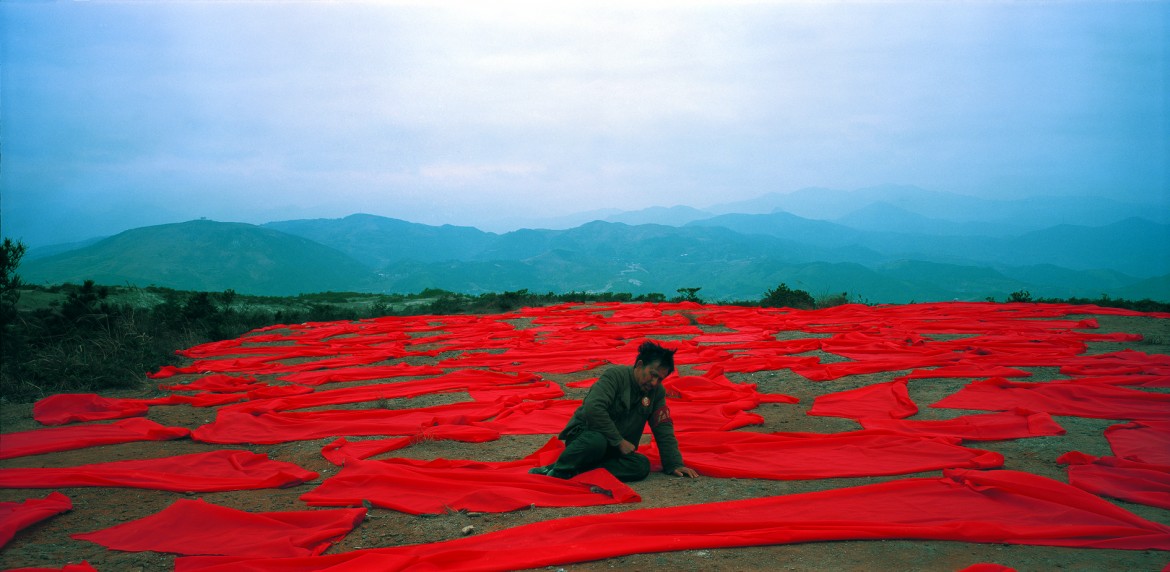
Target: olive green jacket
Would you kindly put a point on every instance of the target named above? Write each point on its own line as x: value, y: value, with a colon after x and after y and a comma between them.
x: 616, y: 408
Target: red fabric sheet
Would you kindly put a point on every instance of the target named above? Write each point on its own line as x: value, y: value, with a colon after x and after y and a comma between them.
x: 361, y: 373
x: 342, y: 451
x: 41, y: 441
x: 224, y: 470
x: 73, y: 407
x: 218, y: 383
x: 283, y: 426
x: 1078, y: 400
x: 195, y: 527
x: 974, y: 506
x: 1131, y: 481
x: 791, y: 456
x: 1015, y: 424
x: 456, y: 381
x: 441, y: 486
x: 16, y: 516
x: 1142, y: 441
x: 880, y: 400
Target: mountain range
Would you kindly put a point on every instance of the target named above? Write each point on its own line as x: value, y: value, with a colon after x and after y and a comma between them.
x: 883, y: 244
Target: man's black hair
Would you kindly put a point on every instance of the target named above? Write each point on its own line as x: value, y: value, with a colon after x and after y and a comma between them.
x: 650, y: 352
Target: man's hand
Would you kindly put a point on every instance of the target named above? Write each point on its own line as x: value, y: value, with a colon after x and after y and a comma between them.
x: 626, y: 447
x: 685, y: 472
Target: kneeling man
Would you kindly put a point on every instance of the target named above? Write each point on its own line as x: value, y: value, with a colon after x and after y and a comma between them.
x: 605, y: 431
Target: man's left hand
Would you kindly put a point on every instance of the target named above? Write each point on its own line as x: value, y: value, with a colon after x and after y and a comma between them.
x: 685, y: 472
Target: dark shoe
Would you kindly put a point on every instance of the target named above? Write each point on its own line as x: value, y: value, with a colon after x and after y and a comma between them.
x: 548, y: 471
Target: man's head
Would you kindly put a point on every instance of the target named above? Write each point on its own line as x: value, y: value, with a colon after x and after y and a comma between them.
x: 654, y: 364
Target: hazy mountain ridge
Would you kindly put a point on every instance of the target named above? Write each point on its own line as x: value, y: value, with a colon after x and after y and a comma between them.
x: 731, y: 256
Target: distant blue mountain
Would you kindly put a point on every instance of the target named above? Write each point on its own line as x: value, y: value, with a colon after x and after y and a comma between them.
x: 890, y: 250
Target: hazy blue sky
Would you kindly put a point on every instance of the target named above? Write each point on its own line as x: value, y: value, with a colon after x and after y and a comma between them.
x: 117, y: 115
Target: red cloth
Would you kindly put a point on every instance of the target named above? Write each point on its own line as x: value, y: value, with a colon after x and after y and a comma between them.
x: 73, y: 407
x: 342, y: 451
x: 16, y: 516
x: 40, y: 441
x: 1131, y: 481
x: 1142, y: 441
x: 1014, y: 424
x: 218, y: 383
x: 974, y: 506
x: 224, y: 470
x: 440, y: 486
x: 284, y: 426
x: 713, y: 386
x: 791, y: 456
x: 1079, y: 400
x: 880, y: 400
x: 195, y: 527
x: 361, y: 373
x: 456, y: 381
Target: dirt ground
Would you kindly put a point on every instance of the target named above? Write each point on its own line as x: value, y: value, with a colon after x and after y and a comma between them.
x: 48, y: 543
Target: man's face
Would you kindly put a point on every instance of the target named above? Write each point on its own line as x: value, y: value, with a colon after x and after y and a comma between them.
x: 649, y: 375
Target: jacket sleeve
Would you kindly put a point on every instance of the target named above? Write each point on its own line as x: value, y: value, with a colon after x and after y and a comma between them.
x: 596, y: 408
x: 663, y: 428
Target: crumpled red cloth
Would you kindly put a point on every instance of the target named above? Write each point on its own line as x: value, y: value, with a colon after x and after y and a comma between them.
x: 440, y: 486
x: 283, y: 426
x: 1132, y: 481
x: 1142, y: 441
x: 1002, y: 506
x: 40, y: 441
x: 341, y: 451
x: 455, y: 381
x: 15, y: 516
x: 880, y: 400
x: 196, y: 527
x: 224, y: 470
x: 1079, y: 400
x: 65, y: 408
x: 791, y: 456
x: 1014, y: 424
x: 320, y: 377
x: 218, y: 383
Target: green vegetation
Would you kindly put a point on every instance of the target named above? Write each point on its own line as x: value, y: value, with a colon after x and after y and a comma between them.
x: 88, y: 337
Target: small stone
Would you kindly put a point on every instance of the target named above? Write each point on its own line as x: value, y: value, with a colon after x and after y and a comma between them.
x: 467, y: 530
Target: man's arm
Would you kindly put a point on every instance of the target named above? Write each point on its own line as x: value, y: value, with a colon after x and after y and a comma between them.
x: 662, y: 426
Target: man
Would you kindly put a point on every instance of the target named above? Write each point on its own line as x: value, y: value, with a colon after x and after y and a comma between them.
x: 605, y: 431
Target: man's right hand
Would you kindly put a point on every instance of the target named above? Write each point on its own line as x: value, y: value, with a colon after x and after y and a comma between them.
x: 626, y: 447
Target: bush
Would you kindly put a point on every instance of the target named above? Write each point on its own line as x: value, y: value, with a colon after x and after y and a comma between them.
x: 784, y: 297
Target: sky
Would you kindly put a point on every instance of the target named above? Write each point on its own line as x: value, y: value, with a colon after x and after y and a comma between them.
x: 115, y: 115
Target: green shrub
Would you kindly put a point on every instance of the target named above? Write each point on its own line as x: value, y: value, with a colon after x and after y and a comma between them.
x: 784, y: 297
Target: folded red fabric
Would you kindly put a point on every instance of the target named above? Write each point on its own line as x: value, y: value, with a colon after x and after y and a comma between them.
x: 224, y: 470
x: 1142, y: 441
x: 1006, y: 507
x: 889, y: 400
x: 194, y: 527
x: 1132, y: 481
x: 39, y: 441
x: 440, y: 486
x: 790, y: 456
x: 1014, y: 424
x: 1093, y: 400
x: 15, y: 516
